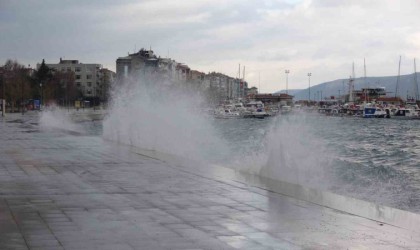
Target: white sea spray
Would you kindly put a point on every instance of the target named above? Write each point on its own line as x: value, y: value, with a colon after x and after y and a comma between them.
x: 157, y: 116
x: 56, y: 118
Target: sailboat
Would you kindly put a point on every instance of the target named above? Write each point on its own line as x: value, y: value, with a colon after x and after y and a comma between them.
x: 416, y: 86
x: 411, y: 111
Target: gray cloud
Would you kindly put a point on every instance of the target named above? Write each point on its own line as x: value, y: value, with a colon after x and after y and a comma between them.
x: 323, y: 37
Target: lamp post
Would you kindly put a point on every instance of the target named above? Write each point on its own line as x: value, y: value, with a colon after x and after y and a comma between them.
x: 23, y: 105
x: 67, y: 96
x: 40, y: 105
x: 3, y: 102
x: 309, y: 89
x: 287, y: 80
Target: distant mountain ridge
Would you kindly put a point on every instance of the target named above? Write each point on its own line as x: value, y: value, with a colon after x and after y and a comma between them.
x: 289, y: 91
x: 332, y: 88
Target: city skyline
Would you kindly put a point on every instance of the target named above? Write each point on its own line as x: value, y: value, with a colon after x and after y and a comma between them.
x: 323, y: 38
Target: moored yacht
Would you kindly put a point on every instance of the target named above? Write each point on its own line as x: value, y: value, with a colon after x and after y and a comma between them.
x: 374, y: 112
x: 406, y: 113
x: 255, y: 109
x: 226, y: 113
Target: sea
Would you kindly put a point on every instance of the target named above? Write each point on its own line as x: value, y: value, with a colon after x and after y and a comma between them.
x: 376, y: 160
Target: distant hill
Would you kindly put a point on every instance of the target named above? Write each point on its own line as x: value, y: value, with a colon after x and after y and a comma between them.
x: 406, y: 87
x: 290, y: 91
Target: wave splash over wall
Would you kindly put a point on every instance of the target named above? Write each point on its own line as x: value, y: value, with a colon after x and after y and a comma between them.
x: 170, y: 119
x: 56, y: 118
x: 296, y: 154
x: 163, y: 117
x: 290, y: 150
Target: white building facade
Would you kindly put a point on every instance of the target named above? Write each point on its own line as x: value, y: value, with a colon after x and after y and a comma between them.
x: 88, y: 77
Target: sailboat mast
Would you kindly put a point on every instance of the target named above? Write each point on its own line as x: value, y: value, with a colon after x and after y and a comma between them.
x: 398, y: 78
x: 416, y: 86
x: 364, y: 68
x: 351, y: 85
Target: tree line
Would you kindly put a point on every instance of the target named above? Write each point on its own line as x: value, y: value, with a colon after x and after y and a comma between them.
x: 19, y: 85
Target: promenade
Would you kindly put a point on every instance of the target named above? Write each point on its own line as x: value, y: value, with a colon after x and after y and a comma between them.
x: 69, y: 190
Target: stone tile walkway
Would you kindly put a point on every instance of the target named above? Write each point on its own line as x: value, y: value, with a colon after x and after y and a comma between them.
x: 73, y: 191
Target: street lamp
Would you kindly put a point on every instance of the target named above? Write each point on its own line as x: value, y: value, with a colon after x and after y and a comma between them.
x: 287, y: 80
x: 309, y: 94
x: 3, y: 101
x: 67, y: 96
x: 22, y: 104
x: 40, y: 106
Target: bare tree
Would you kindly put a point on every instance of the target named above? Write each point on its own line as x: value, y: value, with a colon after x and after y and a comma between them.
x: 17, y: 84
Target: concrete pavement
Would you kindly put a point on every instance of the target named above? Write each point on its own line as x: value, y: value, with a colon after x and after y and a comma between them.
x: 61, y: 190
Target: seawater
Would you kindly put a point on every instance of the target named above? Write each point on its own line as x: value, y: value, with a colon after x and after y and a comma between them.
x: 372, y: 159
x: 376, y: 160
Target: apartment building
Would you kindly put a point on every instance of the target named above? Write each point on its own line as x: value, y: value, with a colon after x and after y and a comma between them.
x: 107, y: 77
x: 88, y: 76
x: 137, y: 65
x: 145, y: 63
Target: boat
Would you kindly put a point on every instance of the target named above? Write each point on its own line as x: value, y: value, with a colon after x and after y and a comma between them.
x: 374, y: 112
x: 369, y: 112
x: 226, y: 113
x: 405, y: 114
x: 380, y: 113
x: 255, y: 109
x: 285, y: 109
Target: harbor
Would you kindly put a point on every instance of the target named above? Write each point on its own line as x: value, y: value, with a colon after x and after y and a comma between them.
x: 65, y: 190
x: 201, y: 125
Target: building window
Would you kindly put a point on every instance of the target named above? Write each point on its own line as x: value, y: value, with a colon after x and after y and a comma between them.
x: 88, y: 76
x: 78, y: 69
x: 78, y: 77
x: 78, y: 84
x: 68, y: 69
x: 89, y: 92
x: 89, y: 84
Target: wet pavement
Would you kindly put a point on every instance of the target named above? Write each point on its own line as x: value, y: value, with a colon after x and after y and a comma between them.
x: 66, y: 190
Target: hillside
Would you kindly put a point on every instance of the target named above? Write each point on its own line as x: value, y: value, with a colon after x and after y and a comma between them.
x: 406, y: 87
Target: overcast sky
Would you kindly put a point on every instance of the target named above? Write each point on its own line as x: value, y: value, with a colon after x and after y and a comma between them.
x: 323, y: 37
